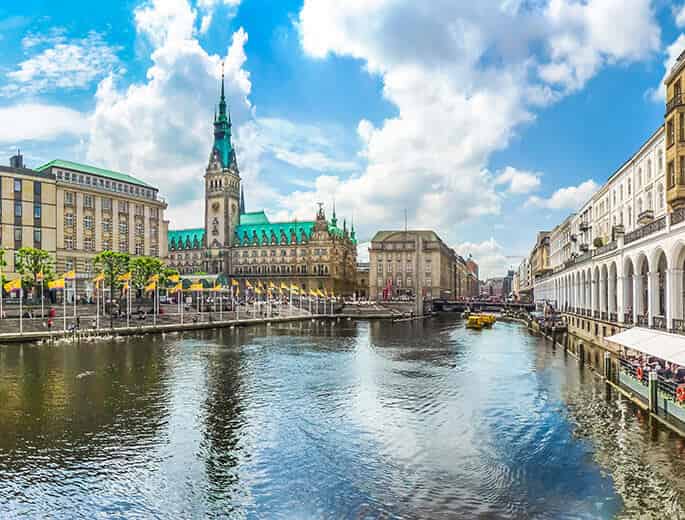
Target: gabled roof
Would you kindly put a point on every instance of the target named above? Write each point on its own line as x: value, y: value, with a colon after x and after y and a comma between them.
x: 263, y: 231
x: 186, y: 238
x: 94, y: 170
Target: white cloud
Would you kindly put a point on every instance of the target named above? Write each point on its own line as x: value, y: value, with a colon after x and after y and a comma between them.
x: 519, y: 182
x: 489, y: 255
x: 57, y: 62
x: 658, y: 93
x: 462, y: 77
x: 584, y: 36
x: 39, y: 122
x: 571, y: 197
x: 679, y: 15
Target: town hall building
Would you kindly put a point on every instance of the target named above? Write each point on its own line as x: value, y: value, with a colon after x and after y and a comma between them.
x: 316, y: 254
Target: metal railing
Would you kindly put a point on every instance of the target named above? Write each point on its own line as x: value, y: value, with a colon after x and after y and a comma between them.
x: 678, y: 216
x: 659, y: 322
x: 611, y: 246
x: 675, y: 101
x: 678, y: 326
x: 645, y: 231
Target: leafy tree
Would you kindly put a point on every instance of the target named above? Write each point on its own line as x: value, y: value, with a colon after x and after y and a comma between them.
x: 30, y: 262
x: 166, y: 274
x: 3, y: 264
x: 143, y: 267
x: 113, y: 264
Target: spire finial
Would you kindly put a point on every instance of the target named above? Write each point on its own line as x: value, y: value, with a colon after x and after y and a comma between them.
x: 334, y: 219
x: 242, y: 200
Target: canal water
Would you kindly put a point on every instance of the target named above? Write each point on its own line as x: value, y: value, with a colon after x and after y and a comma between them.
x: 318, y: 420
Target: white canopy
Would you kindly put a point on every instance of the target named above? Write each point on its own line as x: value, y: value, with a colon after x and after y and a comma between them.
x: 669, y: 347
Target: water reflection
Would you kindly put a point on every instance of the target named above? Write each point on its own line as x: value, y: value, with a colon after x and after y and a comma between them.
x: 319, y: 420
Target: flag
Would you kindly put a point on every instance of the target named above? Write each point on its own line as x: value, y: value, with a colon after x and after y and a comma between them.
x: 99, y: 278
x: 151, y: 286
x: 312, y: 292
x: 195, y: 287
x: 294, y: 289
x: 319, y: 293
x: 332, y: 294
x: 284, y: 286
x: 154, y: 278
x: 56, y: 284
x: 271, y: 285
x: 248, y: 284
x: 258, y: 290
x: 325, y: 294
x: 40, y: 277
x: 174, y: 278
x: 176, y: 288
x: 234, y: 283
x: 126, y: 277
x: 125, y: 287
x: 13, y: 285
x: 70, y: 275
x: 217, y: 288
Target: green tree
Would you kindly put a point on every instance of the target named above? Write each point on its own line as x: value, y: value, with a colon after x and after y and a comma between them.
x: 112, y: 264
x: 3, y: 264
x: 30, y: 263
x: 144, y: 267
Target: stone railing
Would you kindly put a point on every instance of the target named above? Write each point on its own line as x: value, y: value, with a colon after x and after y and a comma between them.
x: 628, y: 318
x: 613, y: 317
x: 604, y: 315
x: 642, y: 321
x: 611, y: 246
x: 659, y: 322
x: 675, y: 101
x: 645, y: 231
x: 595, y: 314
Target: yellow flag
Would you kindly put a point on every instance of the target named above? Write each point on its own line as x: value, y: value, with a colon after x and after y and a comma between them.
x: 248, y: 284
x: 13, y: 285
x: 217, y: 288
x: 174, y: 278
x: 70, y: 275
x: 125, y: 286
x: 176, y: 288
x: 234, y: 283
x: 154, y: 278
x: 332, y: 294
x: 99, y: 278
x: 40, y: 277
x: 195, y: 287
x: 151, y: 286
x: 325, y: 294
x: 271, y: 285
x: 284, y: 286
x: 258, y: 290
x: 126, y: 277
x: 56, y: 284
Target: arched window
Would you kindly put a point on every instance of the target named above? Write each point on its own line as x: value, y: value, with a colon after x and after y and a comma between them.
x: 639, y: 205
x: 639, y: 177
x: 649, y: 169
x: 660, y: 164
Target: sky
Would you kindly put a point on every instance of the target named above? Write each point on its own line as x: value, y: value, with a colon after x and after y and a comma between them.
x: 486, y: 121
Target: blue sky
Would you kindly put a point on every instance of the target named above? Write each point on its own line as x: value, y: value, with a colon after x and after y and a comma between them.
x: 487, y: 122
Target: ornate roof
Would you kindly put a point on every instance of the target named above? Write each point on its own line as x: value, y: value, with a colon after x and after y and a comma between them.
x: 93, y: 170
x: 180, y: 239
x: 255, y: 227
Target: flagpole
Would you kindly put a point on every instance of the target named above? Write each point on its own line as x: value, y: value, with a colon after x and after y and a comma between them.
x: 128, y: 304
x: 97, y: 306
x: 154, y: 306
x: 2, y: 314
x: 64, y: 304
x: 182, y: 303
x: 74, y: 300
x: 21, y: 314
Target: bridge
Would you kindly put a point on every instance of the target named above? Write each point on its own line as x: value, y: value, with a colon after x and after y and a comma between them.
x: 442, y: 305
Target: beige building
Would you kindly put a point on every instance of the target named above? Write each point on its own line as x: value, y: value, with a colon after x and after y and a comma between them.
x: 411, y: 263
x: 96, y: 210
x: 28, y: 211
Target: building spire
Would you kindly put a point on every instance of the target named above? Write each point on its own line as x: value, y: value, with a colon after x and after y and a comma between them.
x: 242, y: 200
x: 334, y: 219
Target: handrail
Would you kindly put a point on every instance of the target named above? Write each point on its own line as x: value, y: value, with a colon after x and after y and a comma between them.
x: 645, y: 230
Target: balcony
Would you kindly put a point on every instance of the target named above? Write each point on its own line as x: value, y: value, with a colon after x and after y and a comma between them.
x: 642, y: 321
x: 628, y: 318
x: 676, y: 101
x: 646, y: 217
x: 644, y: 231
x: 659, y: 322
x: 613, y: 317
x: 574, y: 238
x: 585, y: 226
x: 584, y: 248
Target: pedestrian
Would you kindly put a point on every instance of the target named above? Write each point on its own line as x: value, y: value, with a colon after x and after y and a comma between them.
x: 78, y: 322
x: 49, y: 324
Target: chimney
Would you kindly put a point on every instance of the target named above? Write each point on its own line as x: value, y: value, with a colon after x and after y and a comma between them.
x: 17, y: 161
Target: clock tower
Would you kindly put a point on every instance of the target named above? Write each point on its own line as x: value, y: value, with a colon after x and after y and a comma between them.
x: 222, y: 194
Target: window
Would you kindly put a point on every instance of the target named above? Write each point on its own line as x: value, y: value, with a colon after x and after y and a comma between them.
x: 123, y: 245
x: 629, y: 187
x: 140, y: 210
x: 68, y: 243
x: 36, y: 189
x: 649, y: 169
x: 639, y: 177
x: 107, y: 204
x: 88, y: 222
x: 107, y: 244
x: 660, y: 197
x: 89, y: 244
x: 17, y: 185
x: 36, y: 211
x: 660, y: 163
x: 154, y: 213
x: 68, y: 198
x: 123, y: 227
x: 17, y: 208
x: 37, y: 237
x: 69, y: 264
x: 140, y: 229
x: 123, y: 206
x: 670, y: 137
x: 139, y: 249
x: 106, y: 226
x: 88, y: 201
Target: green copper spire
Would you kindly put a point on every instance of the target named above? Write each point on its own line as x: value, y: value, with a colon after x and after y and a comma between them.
x: 222, y: 129
x: 353, y: 235
x: 334, y: 219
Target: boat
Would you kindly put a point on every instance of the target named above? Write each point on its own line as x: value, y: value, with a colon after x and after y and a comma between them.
x: 475, y: 322
x: 489, y: 319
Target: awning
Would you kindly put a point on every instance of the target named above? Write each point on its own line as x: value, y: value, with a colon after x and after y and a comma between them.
x: 669, y: 347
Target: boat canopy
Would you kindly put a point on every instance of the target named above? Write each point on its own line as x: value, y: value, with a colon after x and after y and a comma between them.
x: 669, y: 347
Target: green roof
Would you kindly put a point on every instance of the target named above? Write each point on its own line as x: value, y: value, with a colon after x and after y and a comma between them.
x: 253, y: 218
x: 246, y: 233
x: 93, y: 170
x: 186, y: 238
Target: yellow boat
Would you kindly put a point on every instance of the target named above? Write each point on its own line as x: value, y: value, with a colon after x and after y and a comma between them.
x: 489, y: 319
x: 475, y: 322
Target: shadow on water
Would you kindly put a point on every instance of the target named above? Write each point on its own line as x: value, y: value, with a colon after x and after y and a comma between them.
x: 419, y: 419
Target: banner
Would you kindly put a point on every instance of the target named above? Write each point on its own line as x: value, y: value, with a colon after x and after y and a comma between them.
x: 99, y: 278
x: 13, y: 285
x: 126, y: 277
x: 174, y: 278
x: 153, y: 279
x: 151, y: 286
x: 234, y: 283
x: 70, y: 275
x: 56, y: 284
x: 176, y: 288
